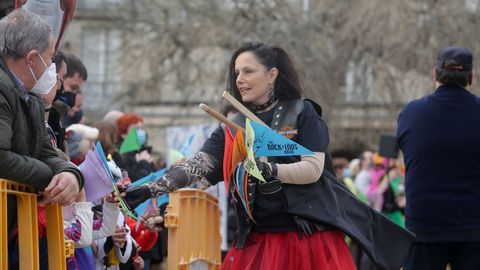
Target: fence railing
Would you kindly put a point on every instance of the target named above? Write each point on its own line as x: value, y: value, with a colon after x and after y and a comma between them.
x: 193, y: 220
x: 28, y: 229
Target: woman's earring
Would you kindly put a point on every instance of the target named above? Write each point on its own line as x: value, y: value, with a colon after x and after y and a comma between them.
x: 271, y: 94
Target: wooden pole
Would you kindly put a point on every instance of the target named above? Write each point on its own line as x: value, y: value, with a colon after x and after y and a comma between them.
x: 219, y: 117
x: 242, y: 109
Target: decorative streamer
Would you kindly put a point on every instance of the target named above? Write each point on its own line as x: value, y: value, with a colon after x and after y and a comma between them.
x: 227, y: 157
x: 268, y: 143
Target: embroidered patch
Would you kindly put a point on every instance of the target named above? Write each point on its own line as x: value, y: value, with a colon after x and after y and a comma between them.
x: 288, y: 132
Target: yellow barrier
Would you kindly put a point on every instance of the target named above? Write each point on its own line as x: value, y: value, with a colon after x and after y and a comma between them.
x: 28, y: 228
x: 193, y: 222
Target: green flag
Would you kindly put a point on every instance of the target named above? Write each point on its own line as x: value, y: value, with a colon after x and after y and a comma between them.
x: 130, y: 143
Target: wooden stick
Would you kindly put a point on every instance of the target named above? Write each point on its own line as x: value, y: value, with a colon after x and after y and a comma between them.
x: 219, y: 117
x: 242, y: 109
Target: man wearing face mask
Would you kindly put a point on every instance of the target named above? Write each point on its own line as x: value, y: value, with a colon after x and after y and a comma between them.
x: 26, y: 71
x: 75, y: 77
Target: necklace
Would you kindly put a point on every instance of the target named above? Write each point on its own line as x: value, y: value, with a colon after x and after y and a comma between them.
x: 258, y: 108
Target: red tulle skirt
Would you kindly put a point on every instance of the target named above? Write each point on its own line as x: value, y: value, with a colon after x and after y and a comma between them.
x: 324, y: 250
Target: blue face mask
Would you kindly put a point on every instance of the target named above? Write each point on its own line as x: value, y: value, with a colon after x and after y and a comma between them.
x: 142, y: 136
x: 347, y: 172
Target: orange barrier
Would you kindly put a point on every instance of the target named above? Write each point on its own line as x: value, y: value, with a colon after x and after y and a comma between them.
x: 193, y: 222
x: 28, y: 228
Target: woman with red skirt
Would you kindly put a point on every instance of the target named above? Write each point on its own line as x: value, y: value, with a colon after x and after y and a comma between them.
x: 264, y: 79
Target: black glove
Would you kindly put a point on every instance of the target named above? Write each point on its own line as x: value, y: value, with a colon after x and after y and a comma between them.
x: 268, y: 170
x: 269, y: 173
x: 136, y: 195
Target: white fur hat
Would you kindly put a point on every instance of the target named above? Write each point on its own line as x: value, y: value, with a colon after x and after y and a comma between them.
x: 89, y: 135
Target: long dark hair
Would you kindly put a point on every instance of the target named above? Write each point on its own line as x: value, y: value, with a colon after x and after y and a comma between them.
x: 287, y: 85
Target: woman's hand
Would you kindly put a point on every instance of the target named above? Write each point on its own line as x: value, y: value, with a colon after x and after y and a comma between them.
x: 267, y: 169
x: 134, y: 196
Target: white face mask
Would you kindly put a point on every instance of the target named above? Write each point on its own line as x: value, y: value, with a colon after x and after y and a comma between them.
x: 47, y: 81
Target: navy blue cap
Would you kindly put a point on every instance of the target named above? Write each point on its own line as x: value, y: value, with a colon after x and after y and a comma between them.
x: 456, y: 58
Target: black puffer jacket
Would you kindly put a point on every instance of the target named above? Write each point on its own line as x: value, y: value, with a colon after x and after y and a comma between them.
x: 26, y: 155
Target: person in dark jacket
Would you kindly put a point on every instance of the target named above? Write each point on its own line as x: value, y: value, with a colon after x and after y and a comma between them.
x: 264, y: 78
x: 439, y: 135
x: 26, y: 154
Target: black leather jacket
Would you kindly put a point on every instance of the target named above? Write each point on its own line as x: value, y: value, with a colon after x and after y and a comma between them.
x: 329, y: 203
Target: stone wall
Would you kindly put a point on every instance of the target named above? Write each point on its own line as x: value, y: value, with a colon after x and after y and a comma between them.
x: 361, y: 60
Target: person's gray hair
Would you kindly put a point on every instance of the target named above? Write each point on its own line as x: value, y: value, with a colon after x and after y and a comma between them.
x: 22, y: 31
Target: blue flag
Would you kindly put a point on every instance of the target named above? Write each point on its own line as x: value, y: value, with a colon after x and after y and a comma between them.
x: 162, y: 199
x: 140, y: 210
x: 149, y: 178
x: 268, y: 143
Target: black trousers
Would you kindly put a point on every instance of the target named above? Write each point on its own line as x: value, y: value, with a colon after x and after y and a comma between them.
x: 436, y: 256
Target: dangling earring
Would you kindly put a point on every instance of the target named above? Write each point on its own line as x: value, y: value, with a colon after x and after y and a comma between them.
x: 271, y: 94
x: 270, y: 101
